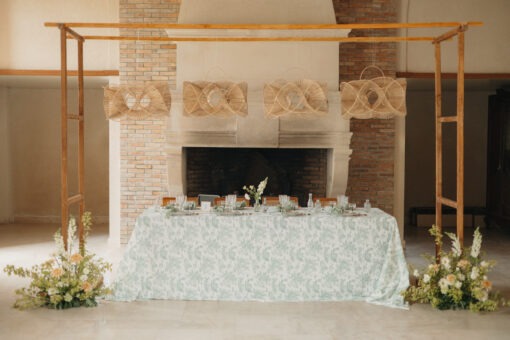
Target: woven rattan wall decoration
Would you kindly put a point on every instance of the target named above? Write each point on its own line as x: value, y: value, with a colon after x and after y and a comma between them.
x: 219, y: 99
x: 137, y: 102
x: 379, y: 97
x: 303, y: 99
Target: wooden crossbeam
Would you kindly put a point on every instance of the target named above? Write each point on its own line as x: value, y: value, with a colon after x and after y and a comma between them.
x: 258, y: 39
x: 27, y: 72
x: 448, y: 202
x: 74, y: 116
x: 75, y: 199
x: 263, y: 26
x: 448, y: 119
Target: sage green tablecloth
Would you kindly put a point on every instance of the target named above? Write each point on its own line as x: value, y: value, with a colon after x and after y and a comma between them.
x: 263, y: 257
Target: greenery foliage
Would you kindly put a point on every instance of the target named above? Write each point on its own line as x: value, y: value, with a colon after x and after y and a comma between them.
x: 458, y: 281
x: 70, y: 278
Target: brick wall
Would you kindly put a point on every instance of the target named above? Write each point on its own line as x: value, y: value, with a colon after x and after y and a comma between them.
x: 371, y: 166
x: 144, y: 169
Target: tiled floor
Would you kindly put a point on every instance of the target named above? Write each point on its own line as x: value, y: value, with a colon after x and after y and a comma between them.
x: 29, y: 244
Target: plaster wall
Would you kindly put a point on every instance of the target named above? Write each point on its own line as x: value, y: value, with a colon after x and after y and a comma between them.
x: 26, y: 44
x: 420, y: 154
x: 34, y: 131
x: 5, y: 160
x: 487, y: 47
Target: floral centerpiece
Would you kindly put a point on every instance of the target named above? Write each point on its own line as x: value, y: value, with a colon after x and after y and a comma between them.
x: 255, y: 193
x: 458, y: 281
x: 70, y: 278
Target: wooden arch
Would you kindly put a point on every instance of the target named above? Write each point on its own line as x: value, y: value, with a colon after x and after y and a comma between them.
x: 454, y: 29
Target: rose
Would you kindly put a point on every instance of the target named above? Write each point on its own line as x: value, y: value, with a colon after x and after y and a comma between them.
x: 463, y: 264
x: 487, y: 284
x: 57, y: 272
x: 75, y: 258
x: 450, y: 278
x: 87, y: 287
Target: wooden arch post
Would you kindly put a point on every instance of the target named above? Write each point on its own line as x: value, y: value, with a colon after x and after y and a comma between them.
x: 65, y: 116
x: 458, y: 204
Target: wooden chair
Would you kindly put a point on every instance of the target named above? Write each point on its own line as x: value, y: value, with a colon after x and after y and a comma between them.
x: 166, y: 200
x: 221, y: 200
x: 274, y: 200
x: 325, y: 201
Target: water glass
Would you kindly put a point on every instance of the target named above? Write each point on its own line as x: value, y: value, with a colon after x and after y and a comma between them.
x: 284, y: 200
x: 230, y: 202
x: 180, y: 200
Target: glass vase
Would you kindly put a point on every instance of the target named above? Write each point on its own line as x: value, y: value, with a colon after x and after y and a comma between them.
x: 256, y: 205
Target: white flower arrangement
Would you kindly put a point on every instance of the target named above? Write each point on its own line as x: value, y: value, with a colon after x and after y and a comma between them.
x: 255, y: 193
x: 458, y: 281
x: 71, y: 278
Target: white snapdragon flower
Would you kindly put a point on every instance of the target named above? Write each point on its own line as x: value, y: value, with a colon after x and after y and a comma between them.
x: 477, y: 244
x: 426, y: 278
x: 52, y: 291
x: 416, y: 273
x: 474, y: 273
x: 456, y: 248
x: 458, y: 284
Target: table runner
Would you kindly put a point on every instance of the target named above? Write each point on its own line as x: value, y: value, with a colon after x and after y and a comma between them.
x: 263, y: 257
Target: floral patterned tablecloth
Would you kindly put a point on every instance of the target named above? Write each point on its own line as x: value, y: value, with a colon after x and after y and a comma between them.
x: 263, y: 257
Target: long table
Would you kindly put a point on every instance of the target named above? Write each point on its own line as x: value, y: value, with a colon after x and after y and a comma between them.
x: 263, y: 257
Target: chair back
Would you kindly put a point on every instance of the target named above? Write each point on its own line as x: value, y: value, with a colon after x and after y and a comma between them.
x: 207, y: 198
x: 167, y: 199
x: 221, y: 200
x: 275, y: 200
x: 325, y: 201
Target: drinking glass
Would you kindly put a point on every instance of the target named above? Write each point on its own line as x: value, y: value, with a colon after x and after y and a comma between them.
x: 230, y: 202
x: 179, y: 200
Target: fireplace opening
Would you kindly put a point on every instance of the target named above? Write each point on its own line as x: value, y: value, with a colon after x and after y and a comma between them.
x: 222, y: 171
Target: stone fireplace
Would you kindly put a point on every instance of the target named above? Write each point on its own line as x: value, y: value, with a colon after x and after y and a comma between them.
x: 148, y: 158
x: 223, y: 171
x: 257, y: 64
